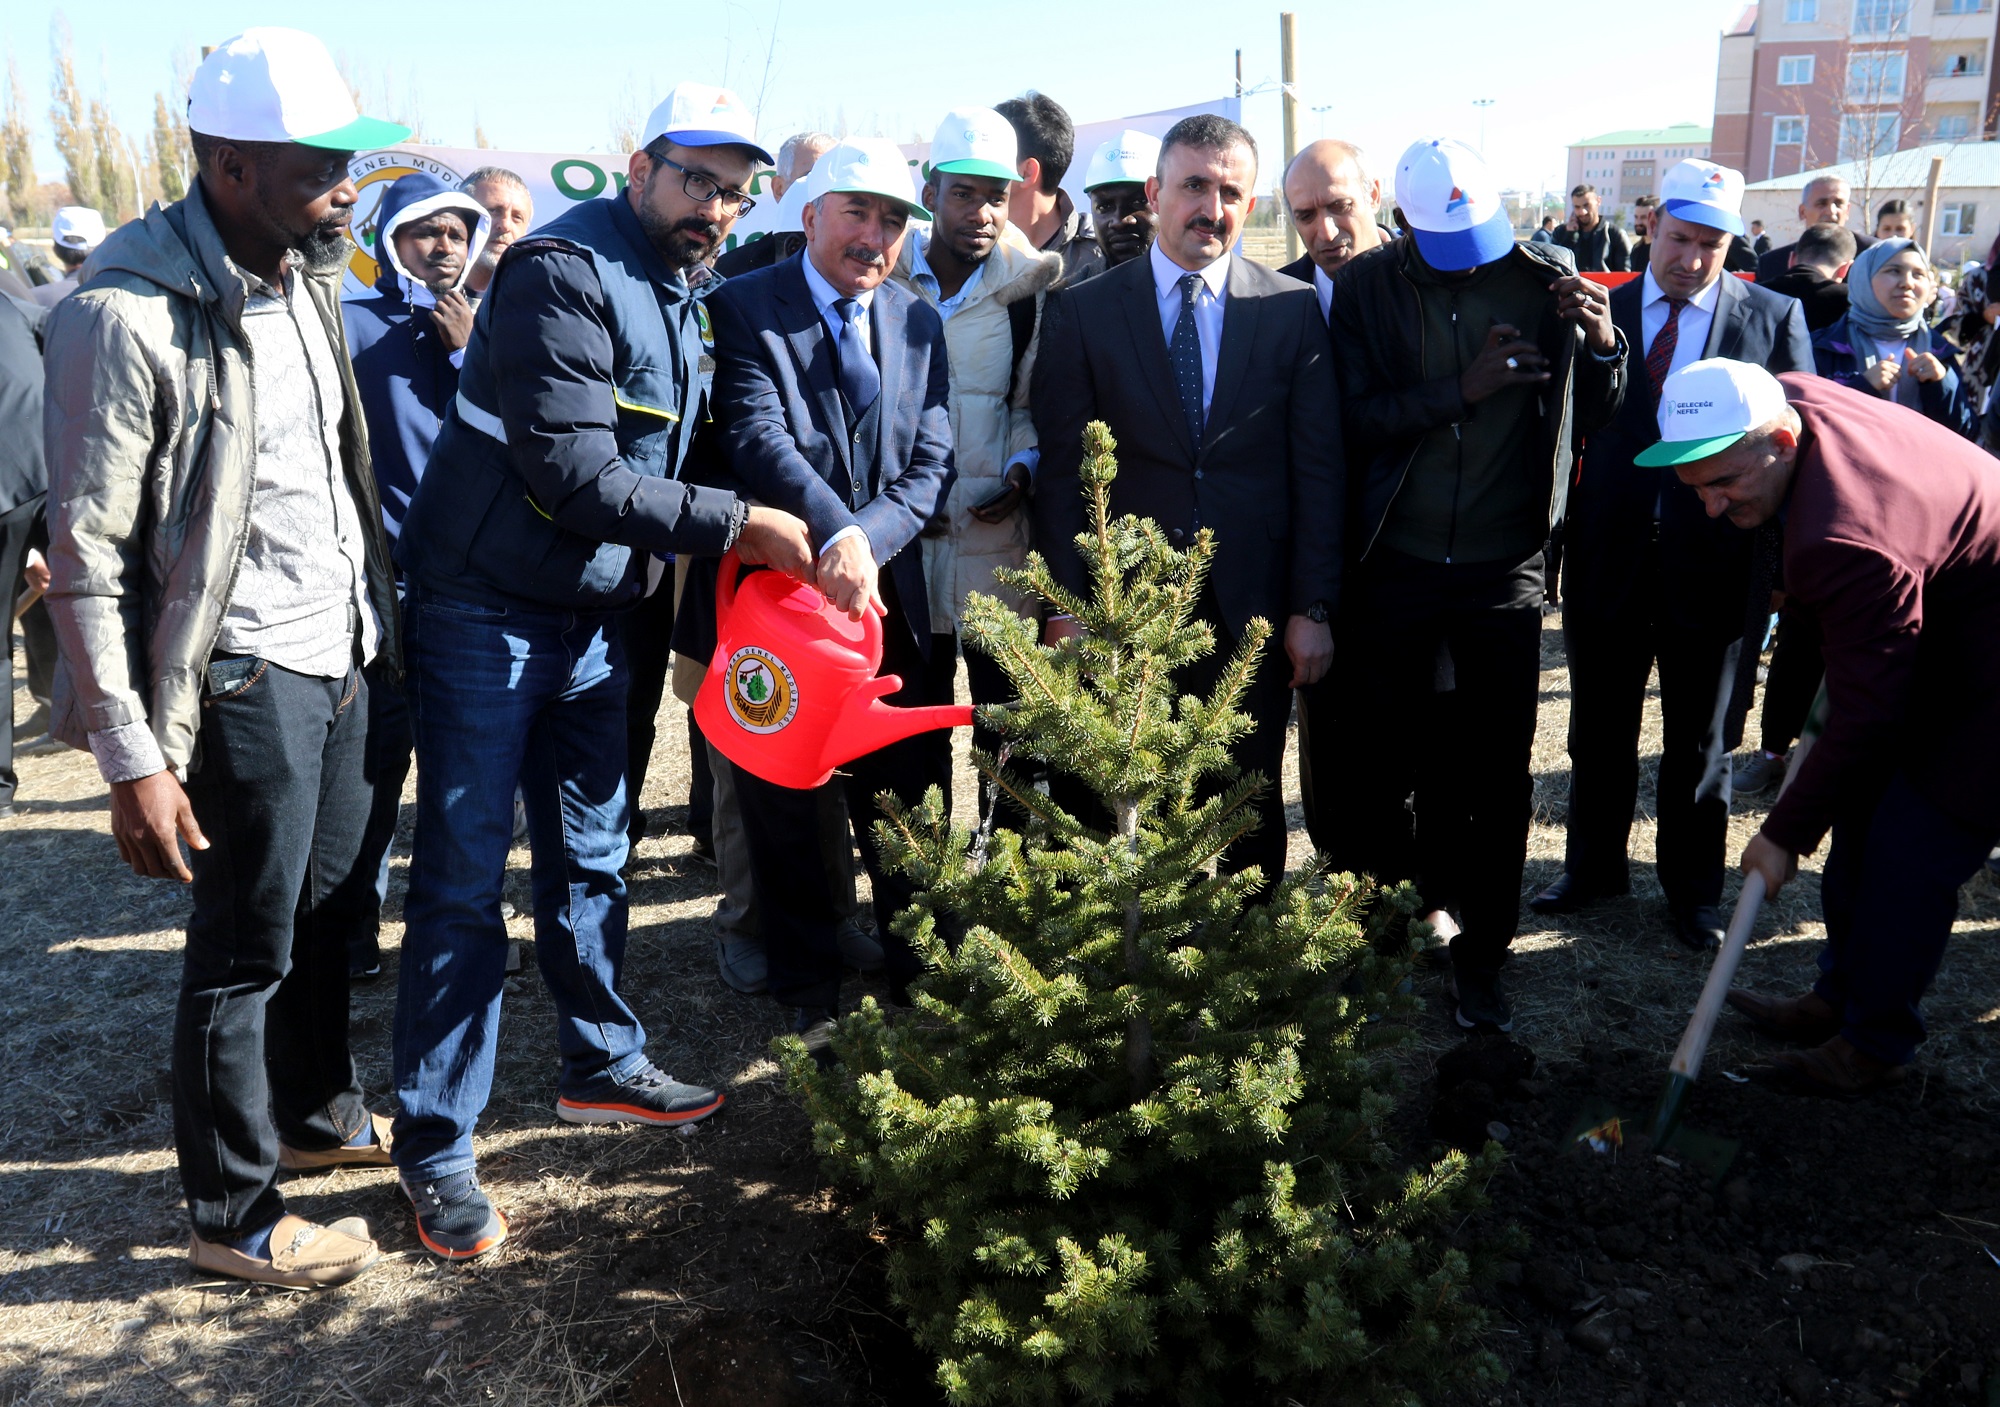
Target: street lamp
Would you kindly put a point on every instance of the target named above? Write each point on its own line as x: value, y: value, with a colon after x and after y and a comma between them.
x: 1483, y: 104
x: 1323, y: 110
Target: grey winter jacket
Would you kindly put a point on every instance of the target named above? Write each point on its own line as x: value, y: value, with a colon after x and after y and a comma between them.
x: 151, y: 431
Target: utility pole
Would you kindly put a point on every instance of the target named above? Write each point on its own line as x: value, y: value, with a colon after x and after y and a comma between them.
x: 1482, y: 104
x: 1239, y: 78
x: 1288, y: 38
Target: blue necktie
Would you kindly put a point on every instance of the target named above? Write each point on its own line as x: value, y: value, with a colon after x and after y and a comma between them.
x: 1185, y: 353
x: 860, y: 382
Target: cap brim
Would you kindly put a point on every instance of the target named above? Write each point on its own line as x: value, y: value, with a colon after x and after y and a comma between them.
x: 1695, y: 213
x: 362, y: 134
x: 1454, y: 251
x: 715, y: 137
x: 1666, y: 453
x: 978, y: 166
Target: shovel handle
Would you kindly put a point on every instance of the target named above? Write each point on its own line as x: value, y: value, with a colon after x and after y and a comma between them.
x: 1694, y: 1044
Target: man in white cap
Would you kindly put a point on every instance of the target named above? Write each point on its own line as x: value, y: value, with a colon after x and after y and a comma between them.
x: 989, y: 290
x: 1216, y: 377
x: 1468, y: 364
x: 1651, y: 579
x: 831, y: 395
x: 75, y: 233
x: 1332, y: 201
x: 231, y: 710
x: 1115, y: 181
x: 554, y: 483
x: 1889, y: 525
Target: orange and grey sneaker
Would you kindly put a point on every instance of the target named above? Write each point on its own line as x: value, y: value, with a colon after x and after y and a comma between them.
x: 372, y: 1154
x: 647, y: 1097
x: 300, y: 1254
x: 454, y: 1218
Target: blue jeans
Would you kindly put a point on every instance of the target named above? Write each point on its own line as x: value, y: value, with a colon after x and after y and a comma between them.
x: 497, y: 695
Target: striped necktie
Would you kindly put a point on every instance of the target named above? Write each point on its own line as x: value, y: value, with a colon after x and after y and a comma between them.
x: 1660, y: 356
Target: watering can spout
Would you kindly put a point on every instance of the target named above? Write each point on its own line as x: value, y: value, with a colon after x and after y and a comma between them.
x: 868, y: 724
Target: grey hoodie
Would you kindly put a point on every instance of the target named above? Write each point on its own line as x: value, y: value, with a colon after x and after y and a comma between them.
x: 150, y: 424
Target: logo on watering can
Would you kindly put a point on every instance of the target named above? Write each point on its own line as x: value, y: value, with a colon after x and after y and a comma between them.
x: 761, y: 693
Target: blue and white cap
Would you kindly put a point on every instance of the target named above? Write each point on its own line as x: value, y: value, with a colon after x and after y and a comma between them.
x: 1705, y: 194
x: 703, y: 115
x: 1452, y: 205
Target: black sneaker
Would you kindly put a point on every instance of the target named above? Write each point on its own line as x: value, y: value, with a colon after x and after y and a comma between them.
x: 649, y: 1097
x: 454, y: 1218
x: 1480, y: 1001
x: 814, y: 1025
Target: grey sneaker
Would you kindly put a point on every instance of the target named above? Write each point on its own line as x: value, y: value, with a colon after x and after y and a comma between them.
x: 1757, y: 772
x: 651, y: 1096
x: 742, y: 965
x: 858, y: 948
x: 1480, y: 1001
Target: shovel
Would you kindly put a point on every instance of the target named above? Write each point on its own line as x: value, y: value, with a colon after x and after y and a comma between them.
x: 1694, y: 1042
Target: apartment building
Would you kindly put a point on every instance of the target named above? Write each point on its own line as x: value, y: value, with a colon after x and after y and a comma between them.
x: 1802, y: 84
x: 1626, y: 165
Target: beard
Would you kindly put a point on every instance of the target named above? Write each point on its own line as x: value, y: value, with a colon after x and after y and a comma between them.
x: 326, y: 247
x: 683, y: 242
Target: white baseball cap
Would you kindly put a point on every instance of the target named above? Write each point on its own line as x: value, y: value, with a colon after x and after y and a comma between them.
x: 791, y: 216
x: 1707, y: 406
x: 976, y: 141
x: 279, y: 85
x: 703, y: 115
x: 872, y: 165
x: 1704, y: 193
x: 78, y: 227
x: 1132, y: 156
x: 1452, y: 205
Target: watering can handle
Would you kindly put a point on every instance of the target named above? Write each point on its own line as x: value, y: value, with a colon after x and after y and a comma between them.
x: 726, y: 577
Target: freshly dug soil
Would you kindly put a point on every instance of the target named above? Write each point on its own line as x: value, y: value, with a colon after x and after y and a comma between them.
x: 1841, y: 1257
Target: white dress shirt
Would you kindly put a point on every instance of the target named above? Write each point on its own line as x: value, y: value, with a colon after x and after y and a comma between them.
x: 1323, y: 286
x: 1209, y: 299
x: 824, y: 296
x: 1696, y: 319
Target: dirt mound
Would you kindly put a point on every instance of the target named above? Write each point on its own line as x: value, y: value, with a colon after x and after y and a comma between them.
x: 1841, y: 1257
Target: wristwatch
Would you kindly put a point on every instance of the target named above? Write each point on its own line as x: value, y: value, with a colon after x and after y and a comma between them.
x: 1316, y: 613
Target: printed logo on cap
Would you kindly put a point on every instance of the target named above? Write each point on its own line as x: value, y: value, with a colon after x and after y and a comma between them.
x: 1459, y: 200
x: 762, y: 695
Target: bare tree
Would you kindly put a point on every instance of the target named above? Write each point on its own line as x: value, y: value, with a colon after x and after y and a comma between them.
x: 172, y: 156
x: 17, y: 144
x: 628, y: 114
x: 70, y: 116
x: 117, y: 165
x: 479, y: 133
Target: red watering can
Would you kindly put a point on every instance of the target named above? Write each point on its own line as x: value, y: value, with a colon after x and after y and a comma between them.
x: 792, y: 691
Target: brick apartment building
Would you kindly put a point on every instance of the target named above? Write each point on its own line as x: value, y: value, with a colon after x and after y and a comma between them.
x: 1802, y: 84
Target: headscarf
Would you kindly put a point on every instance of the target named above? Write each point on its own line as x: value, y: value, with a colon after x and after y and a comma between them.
x: 1866, y: 316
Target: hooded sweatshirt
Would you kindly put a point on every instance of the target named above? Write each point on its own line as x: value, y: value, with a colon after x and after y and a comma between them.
x: 406, y: 375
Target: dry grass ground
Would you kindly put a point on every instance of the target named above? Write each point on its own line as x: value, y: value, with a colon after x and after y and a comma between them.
x: 623, y: 1240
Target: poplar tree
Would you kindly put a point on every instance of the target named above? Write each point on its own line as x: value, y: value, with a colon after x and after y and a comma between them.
x: 1130, y: 1144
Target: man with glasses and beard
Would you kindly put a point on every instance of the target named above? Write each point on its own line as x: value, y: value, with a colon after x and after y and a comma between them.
x: 212, y: 655
x: 554, y: 485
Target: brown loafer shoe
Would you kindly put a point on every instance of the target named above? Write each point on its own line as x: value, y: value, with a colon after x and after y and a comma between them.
x: 1835, y: 1070
x: 1806, y: 1020
x: 369, y: 1155
x: 302, y: 1255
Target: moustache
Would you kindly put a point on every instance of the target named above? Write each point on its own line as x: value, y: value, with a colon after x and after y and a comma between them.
x: 861, y: 254
x: 695, y: 225
x: 1205, y: 225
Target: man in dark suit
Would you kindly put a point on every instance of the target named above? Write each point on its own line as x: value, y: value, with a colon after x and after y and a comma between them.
x: 1216, y: 377
x: 1818, y: 274
x: 1466, y: 363
x: 831, y: 399
x: 1332, y: 200
x: 1652, y: 578
x: 1824, y: 201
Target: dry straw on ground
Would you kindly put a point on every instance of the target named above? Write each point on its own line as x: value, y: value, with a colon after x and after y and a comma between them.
x: 622, y: 1240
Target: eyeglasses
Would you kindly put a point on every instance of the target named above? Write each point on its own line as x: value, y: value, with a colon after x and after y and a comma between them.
x: 702, y: 189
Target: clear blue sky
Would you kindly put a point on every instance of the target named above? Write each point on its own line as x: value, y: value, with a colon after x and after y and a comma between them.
x: 548, y: 76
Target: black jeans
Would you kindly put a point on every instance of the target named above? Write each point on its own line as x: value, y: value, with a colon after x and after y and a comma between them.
x: 386, y: 766
x: 16, y: 534
x: 1609, y: 660
x: 260, y: 1034
x: 646, y: 628
x: 988, y: 683
x: 1797, y: 666
x: 1399, y: 617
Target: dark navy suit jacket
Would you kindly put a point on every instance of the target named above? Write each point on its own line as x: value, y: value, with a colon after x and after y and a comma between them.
x: 783, y: 431
x: 1704, y: 562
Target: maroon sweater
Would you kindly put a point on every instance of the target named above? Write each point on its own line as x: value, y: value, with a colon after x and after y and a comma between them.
x: 1892, y: 539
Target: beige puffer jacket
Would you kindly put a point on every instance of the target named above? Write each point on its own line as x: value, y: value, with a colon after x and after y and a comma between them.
x: 151, y: 431
x: 989, y: 424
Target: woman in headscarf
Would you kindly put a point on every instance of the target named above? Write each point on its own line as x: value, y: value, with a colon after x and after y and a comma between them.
x: 1884, y: 347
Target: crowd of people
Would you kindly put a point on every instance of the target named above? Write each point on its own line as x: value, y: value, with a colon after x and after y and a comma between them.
x: 471, y: 522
